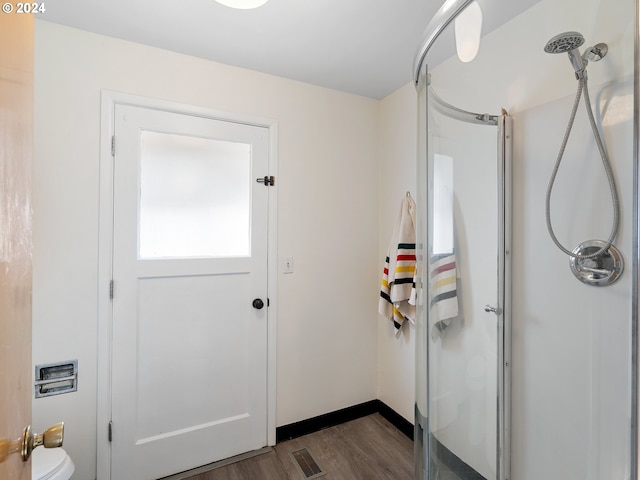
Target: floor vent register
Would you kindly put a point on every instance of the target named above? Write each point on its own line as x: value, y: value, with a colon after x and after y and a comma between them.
x: 306, y: 464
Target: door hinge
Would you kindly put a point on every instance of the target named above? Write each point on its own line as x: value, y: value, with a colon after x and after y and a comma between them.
x: 269, y: 181
x: 111, y: 289
x: 113, y: 145
x: 110, y: 431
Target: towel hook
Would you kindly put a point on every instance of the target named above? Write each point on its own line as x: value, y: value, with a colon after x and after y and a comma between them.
x: 408, y: 194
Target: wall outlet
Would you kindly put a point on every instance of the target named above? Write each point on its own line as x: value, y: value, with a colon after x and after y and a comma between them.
x: 287, y: 265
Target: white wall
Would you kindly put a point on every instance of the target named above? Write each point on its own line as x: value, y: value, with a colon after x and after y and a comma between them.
x: 398, y: 151
x: 327, y: 219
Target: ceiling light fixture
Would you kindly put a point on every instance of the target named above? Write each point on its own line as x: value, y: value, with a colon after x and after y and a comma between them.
x: 468, y: 28
x: 242, y: 4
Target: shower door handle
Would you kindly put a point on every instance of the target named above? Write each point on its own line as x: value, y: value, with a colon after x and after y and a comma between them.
x: 489, y: 309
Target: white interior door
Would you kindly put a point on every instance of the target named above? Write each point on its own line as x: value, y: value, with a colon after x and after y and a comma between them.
x: 189, y: 358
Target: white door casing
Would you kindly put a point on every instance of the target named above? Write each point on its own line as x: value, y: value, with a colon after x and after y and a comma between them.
x: 190, y: 359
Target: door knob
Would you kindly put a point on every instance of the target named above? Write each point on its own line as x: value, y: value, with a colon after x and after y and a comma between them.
x: 489, y: 309
x: 258, y: 304
x: 51, y: 438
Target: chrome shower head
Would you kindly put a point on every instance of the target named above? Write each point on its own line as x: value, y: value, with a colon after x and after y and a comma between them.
x: 564, y: 43
x: 568, y: 42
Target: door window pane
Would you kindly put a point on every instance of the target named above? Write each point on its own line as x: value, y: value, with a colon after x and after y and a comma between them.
x: 195, y: 197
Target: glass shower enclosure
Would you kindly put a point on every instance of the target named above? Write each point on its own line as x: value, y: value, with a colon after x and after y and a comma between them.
x: 524, y: 371
x: 465, y: 339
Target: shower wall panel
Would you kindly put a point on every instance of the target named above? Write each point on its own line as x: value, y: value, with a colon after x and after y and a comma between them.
x: 571, y: 341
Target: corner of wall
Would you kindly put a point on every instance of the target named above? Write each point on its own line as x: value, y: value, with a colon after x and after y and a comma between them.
x: 397, y: 166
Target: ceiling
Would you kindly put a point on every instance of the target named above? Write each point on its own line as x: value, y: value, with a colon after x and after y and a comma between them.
x: 365, y: 47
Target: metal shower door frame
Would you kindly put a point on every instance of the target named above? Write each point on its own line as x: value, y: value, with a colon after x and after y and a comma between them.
x: 635, y: 313
x: 504, y: 295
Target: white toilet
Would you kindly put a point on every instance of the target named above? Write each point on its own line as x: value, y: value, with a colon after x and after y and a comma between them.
x: 51, y: 464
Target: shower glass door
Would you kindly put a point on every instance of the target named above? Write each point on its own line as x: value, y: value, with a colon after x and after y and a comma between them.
x: 464, y: 305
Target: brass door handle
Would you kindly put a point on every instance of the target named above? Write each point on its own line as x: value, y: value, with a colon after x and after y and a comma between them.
x: 51, y: 438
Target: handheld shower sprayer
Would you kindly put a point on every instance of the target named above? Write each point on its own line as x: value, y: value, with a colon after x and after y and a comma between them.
x: 570, y: 43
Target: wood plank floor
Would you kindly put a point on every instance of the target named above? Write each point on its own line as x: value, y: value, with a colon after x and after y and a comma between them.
x: 369, y: 448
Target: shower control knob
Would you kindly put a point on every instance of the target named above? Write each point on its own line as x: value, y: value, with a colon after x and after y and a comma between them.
x: 258, y: 304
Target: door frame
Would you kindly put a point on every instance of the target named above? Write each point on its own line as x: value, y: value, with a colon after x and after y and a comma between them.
x: 109, y: 99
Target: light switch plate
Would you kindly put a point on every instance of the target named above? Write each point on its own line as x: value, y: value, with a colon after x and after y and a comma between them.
x: 287, y: 265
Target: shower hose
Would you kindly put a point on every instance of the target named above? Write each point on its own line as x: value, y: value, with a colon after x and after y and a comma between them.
x: 582, y: 86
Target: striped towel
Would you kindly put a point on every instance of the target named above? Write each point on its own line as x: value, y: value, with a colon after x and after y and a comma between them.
x: 397, y: 295
x: 444, y: 293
